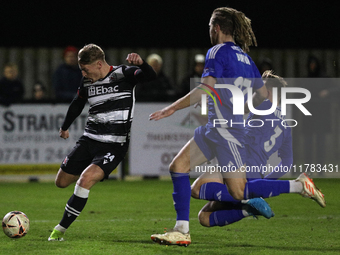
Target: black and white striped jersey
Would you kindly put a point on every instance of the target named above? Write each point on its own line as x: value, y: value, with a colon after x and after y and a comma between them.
x: 111, y: 101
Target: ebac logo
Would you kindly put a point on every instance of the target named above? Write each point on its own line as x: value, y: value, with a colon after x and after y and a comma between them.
x: 100, y: 90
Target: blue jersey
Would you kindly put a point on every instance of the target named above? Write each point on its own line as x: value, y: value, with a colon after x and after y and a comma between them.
x: 229, y: 65
x: 262, y: 142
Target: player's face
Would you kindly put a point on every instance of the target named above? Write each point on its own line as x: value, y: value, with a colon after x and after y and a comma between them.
x: 212, y: 33
x: 91, y: 71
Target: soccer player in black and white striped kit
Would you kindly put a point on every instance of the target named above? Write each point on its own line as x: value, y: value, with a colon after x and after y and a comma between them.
x: 110, y: 93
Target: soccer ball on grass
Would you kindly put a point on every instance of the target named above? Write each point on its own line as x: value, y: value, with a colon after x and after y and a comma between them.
x: 15, y: 224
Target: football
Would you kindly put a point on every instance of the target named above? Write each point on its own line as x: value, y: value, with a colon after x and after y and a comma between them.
x: 15, y: 224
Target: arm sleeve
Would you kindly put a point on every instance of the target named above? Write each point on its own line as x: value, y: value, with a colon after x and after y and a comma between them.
x: 213, y: 64
x: 142, y: 73
x: 74, y: 110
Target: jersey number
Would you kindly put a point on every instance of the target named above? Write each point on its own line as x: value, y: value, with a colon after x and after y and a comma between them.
x: 242, y: 84
x: 268, y: 145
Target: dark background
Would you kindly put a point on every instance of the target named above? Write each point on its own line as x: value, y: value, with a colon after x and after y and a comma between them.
x: 277, y: 24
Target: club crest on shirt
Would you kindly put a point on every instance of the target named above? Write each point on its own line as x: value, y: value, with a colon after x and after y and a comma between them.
x: 65, y: 161
x: 113, y: 77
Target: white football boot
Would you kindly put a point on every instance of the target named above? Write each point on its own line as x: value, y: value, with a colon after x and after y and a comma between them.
x: 172, y: 237
x: 310, y: 190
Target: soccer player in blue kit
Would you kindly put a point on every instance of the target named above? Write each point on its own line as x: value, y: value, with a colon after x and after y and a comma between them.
x: 231, y: 35
x: 264, y: 136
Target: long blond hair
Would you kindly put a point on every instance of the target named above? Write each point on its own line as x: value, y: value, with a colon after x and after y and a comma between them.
x: 235, y: 23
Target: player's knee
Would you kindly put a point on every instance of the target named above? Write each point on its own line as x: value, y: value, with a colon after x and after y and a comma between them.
x: 195, y: 190
x: 237, y: 193
x: 177, y: 167
x: 87, y: 181
x: 173, y: 167
x: 236, y: 188
x: 61, y: 184
x: 83, y: 181
x: 203, y: 218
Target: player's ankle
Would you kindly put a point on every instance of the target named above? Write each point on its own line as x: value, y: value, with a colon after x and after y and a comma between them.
x: 295, y: 187
x: 182, y: 226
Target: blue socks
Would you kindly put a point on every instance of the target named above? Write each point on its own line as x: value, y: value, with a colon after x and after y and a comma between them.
x: 265, y: 188
x: 181, y: 194
x: 215, y: 191
x: 225, y: 217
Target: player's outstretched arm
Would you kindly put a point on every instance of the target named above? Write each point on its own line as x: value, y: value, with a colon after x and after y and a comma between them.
x: 74, y: 110
x: 165, y: 112
x: 193, y: 97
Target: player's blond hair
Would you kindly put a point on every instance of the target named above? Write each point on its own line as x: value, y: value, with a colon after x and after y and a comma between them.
x: 274, y: 81
x: 90, y: 53
x: 235, y: 23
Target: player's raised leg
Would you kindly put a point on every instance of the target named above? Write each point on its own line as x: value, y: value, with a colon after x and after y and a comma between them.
x: 216, y: 213
x: 91, y: 175
x: 188, y: 157
x: 210, y: 186
x: 215, y: 190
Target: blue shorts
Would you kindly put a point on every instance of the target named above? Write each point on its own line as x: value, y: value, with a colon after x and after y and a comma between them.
x: 254, y: 165
x: 227, y: 153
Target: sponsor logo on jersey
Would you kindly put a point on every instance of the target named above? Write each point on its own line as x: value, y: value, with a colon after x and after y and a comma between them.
x: 101, y: 90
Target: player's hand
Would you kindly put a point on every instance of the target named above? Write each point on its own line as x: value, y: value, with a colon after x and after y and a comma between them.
x: 64, y: 134
x: 167, y: 111
x: 135, y: 59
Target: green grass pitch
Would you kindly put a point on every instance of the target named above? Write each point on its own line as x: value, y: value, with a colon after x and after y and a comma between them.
x: 120, y: 216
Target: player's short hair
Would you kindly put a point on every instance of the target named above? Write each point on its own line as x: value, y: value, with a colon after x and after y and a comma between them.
x: 274, y: 81
x: 90, y: 53
x: 235, y: 23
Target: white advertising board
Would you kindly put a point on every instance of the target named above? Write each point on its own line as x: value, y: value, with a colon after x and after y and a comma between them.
x: 155, y: 143
x: 29, y: 134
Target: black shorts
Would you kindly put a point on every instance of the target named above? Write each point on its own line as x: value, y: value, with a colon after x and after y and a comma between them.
x: 88, y: 151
